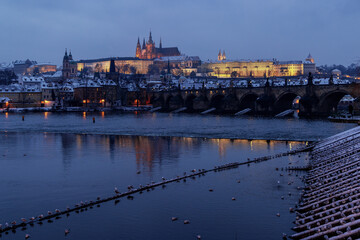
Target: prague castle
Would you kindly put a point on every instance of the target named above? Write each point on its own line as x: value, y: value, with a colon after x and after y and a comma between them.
x: 149, y: 51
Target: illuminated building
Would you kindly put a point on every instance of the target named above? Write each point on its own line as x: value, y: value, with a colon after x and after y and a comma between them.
x: 20, y: 67
x: 182, y: 64
x: 309, y: 65
x: 21, y: 97
x: 227, y: 69
x: 95, y: 93
x: 41, y: 68
x: 149, y: 51
x: 124, y: 65
x: 288, y: 68
x: 256, y: 69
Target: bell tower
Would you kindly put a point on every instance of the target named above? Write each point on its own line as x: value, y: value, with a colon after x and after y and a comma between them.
x: 138, y: 49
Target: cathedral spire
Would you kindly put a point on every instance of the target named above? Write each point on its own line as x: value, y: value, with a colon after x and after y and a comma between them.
x: 143, y: 46
x: 65, y: 51
x: 150, y: 38
x: 160, y: 43
x: 70, y: 55
x: 138, y: 43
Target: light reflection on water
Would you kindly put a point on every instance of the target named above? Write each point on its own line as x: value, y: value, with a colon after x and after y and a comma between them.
x: 44, y: 171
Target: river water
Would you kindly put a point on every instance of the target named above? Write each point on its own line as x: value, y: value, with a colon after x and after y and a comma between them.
x: 51, y: 161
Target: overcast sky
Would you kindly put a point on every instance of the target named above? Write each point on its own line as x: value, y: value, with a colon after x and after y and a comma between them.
x: 245, y: 29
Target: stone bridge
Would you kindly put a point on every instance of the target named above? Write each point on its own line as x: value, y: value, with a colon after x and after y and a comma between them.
x: 315, y: 99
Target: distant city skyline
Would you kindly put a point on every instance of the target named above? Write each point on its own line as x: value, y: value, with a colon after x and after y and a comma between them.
x: 283, y: 29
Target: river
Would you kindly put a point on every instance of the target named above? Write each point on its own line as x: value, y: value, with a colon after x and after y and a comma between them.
x: 51, y: 161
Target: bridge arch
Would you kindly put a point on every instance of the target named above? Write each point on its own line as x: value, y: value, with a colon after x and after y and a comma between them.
x: 189, y: 102
x: 201, y: 103
x: 217, y: 101
x: 174, y: 102
x: 248, y: 100
x: 230, y: 103
x: 157, y: 101
x: 284, y: 101
x: 329, y: 101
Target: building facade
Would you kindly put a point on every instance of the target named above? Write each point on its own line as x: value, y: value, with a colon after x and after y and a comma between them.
x: 124, y: 65
x: 309, y: 65
x: 256, y: 69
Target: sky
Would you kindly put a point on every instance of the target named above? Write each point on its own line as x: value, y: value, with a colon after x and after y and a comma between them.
x: 246, y: 29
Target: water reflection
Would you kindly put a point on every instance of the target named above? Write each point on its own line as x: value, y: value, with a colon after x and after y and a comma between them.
x: 68, y: 147
x: 150, y: 152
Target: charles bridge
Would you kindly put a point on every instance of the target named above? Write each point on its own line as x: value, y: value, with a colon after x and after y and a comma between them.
x: 313, y: 99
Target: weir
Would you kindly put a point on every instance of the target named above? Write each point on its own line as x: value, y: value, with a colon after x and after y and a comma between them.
x: 242, y: 112
x: 179, y: 110
x: 155, y: 109
x: 208, y: 111
x: 79, y: 207
x: 330, y: 204
x: 284, y: 113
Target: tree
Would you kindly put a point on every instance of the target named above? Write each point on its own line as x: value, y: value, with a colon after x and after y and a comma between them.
x: 126, y: 68
x: 98, y: 67
x: 153, y: 69
x: 234, y: 74
x: 133, y: 69
x: 192, y: 74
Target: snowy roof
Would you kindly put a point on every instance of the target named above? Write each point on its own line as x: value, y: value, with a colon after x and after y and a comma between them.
x: 49, y: 85
x: 33, y: 79
x: 178, y: 58
x: 4, y: 66
x: 4, y: 99
x: 27, y: 61
x: 85, y: 83
x: 107, y: 82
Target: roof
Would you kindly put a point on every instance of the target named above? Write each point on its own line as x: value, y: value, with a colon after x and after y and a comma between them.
x: 109, y: 59
x: 178, y: 58
x: 170, y: 51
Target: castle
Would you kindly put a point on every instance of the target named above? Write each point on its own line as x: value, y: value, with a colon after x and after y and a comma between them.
x: 149, y: 51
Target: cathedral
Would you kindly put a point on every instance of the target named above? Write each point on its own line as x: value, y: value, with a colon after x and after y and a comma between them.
x: 149, y: 51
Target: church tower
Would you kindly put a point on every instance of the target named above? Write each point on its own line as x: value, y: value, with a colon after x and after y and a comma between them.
x: 69, y: 66
x: 138, y: 49
x: 70, y: 56
x: 223, y: 55
x: 219, y: 56
x: 160, y: 46
x: 66, y: 67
